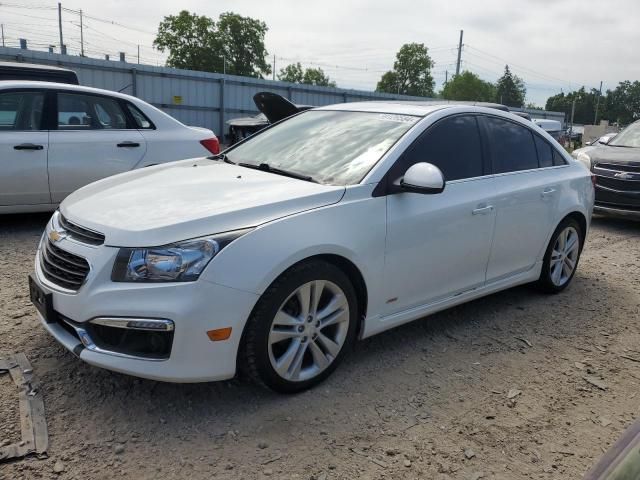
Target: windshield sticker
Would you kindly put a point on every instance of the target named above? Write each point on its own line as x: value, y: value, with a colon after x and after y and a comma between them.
x: 390, y: 117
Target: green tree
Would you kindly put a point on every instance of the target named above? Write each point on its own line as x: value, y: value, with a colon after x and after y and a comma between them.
x: 469, y: 86
x: 585, y: 105
x: 510, y: 89
x: 411, y: 74
x: 235, y: 43
x: 622, y: 105
x: 294, y: 73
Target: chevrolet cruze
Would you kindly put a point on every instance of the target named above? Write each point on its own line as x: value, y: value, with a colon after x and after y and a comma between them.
x: 330, y: 226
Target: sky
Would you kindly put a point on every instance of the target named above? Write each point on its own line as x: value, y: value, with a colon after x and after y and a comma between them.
x: 553, y: 45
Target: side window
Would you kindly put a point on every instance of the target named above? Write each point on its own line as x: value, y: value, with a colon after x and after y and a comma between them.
x: 87, y: 112
x: 452, y: 144
x: 512, y: 146
x: 140, y: 118
x: 21, y: 110
x: 545, y: 152
x: 557, y: 159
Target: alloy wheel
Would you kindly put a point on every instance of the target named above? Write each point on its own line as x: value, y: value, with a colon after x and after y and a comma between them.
x: 564, y: 256
x: 309, y: 330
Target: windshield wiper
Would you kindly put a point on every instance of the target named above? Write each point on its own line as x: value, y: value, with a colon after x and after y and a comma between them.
x: 223, y: 157
x: 265, y: 167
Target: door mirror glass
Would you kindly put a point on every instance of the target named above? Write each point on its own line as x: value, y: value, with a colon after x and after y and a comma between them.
x: 423, y: 178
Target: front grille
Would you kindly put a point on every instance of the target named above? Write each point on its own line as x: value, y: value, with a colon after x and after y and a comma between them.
x: 79, y: 233
x: 619, y: 167
x: 63, y: 268
x: 619, y: 184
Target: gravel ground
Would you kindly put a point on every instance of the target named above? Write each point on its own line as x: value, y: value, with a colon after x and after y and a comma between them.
x: 494, y: 389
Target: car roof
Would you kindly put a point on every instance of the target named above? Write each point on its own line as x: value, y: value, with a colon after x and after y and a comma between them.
x: 402, y: 107
x: 6, y: 84
x: 32, y: 66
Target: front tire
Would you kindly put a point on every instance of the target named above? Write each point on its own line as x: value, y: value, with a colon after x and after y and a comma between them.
x: 301, y: 328
x: 561, y: 258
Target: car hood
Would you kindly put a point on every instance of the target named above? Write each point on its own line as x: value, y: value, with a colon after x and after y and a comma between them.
x: 609, y: 154
x: 188, y: 199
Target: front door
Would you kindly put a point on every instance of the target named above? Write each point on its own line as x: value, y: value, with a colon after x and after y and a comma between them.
x: 23, y: 149
x: 92, y: 141
x: 438, y: 245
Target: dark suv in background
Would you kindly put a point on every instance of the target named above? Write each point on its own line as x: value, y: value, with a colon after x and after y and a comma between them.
x: 616, y: 166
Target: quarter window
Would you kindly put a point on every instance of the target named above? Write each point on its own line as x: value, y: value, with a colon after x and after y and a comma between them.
x: 21, y: 110
x: 512, y: 146
x: 452, y: 144
x: 545, y: 152
x: 558, y: 159
x: 139, y: 118
x: 89, y: 112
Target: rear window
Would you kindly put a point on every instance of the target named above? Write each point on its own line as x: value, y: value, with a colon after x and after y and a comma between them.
x: 512, y: 146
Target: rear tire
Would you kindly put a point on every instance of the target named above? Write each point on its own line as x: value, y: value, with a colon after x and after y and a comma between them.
x: 561, y: 258
x: 301, y: 327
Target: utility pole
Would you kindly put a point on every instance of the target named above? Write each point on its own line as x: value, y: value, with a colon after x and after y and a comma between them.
x: 573, y: 112
x: 224, y: 65
x: 446, y: 76
x: 60, y: 26
x: 81, y: 36
x: 138, y: 54
x: 595, y: 120
x: 459, y: 53
x: 274, y: 66
x: 2, y: 28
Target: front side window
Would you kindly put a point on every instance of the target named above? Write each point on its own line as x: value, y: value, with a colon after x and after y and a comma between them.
x: 331, y: 147
x: 21, y: 110
x: 87, y: 112
x: 512, y: 146
x: 629, y: 137
x: 453, y: 145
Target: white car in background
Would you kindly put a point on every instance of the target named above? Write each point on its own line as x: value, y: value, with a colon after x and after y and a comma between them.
x: 56, y: 138
x: 334, y: 224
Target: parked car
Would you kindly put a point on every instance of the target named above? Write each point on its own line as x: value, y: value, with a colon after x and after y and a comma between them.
x: 552, y: 127
x: 55, y: 138
x: 335, y: 224
x: 616, y: 166
x: 35, y: 72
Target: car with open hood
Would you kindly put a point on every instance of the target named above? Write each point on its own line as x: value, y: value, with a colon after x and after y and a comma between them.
x: 332, y: 225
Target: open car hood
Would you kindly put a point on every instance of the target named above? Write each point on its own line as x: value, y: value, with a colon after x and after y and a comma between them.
x: 275, y: 107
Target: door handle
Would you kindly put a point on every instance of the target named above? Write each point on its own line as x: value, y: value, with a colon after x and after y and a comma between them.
x: 28, y: 146
x: 128, y: 145
x: 483, y: 210
x: 547, y: 192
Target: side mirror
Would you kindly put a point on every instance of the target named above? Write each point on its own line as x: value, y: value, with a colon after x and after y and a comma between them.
x: 423, y: 178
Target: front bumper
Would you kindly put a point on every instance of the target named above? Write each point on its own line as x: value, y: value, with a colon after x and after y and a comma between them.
x: 193, y: 307
x: 616, y: 211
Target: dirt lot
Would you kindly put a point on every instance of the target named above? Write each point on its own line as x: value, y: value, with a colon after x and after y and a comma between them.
x: 427, y: 400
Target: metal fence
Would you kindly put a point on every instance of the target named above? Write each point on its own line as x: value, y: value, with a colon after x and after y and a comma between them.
x: 201, y: 98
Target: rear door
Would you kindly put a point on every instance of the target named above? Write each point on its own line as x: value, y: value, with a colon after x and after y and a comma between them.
x: 526, y: 191
x: 23, y: 149
x: 93, y: 138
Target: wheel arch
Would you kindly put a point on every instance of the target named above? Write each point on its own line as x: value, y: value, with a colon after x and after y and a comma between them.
x: 582, y: 221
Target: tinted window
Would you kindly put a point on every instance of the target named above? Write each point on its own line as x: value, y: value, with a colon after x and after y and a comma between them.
x: 141, y: 120
x: 558, y: 159
x: 545, y: 152
x: 452, y: 144
x: 512, y: 146
x: 86, y: 112
x: 21, y: 110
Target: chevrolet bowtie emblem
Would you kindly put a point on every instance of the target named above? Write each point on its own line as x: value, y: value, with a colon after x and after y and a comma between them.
x: 623, y: 175
x: 56, y: 236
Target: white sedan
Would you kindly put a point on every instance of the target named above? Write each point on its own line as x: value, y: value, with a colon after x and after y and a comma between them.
x: 335, y: 224
x: 56, y: 138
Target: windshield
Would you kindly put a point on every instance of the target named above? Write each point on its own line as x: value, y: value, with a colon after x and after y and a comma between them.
x: 629, y: 137
x: 332, y: 147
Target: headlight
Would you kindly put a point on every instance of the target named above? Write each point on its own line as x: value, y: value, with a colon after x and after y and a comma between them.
x: 584, y: 159
x: 178, y: 262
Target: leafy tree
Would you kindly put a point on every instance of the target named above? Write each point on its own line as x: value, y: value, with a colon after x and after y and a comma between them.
x: 411, y: 74
x: 622, y: 105
x: 294, y: 73
x: 235, y: 43
x: 510, y: 89
x: 469, y: 86
x: 585, y: 105
x: 316, y: 76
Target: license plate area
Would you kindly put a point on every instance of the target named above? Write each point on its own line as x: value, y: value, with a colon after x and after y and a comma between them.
x: 41, y: 300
